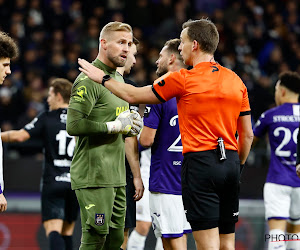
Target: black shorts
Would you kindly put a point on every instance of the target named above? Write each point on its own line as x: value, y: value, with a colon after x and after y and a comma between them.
x: 210, y: 190
x: 59, y: 202
x: 130, y: 220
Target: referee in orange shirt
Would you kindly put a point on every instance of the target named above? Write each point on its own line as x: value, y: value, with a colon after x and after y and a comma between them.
x: 212, y: 106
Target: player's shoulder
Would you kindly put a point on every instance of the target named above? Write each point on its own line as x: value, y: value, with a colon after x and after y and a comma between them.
x: 275, y: 110
x: 56, y: 116
x: 129, y: 81
x: 184, y: 72
x: 56, y: 112
x: 230, y: 74
x: 43, y: 114
x: 178, y: 74
x: 82, y: 77
x: 271, y: 112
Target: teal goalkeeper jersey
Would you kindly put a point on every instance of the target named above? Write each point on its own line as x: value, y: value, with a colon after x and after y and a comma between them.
x: 99, y: 158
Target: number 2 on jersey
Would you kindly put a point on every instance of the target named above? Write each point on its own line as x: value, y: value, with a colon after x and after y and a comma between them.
x: 286, y: 139
x: 174, y: 147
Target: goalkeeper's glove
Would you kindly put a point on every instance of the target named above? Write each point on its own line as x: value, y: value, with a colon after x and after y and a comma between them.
x: 122, y: 124
x: 137, y: 124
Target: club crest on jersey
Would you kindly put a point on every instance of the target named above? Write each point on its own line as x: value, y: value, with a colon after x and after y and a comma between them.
x: 99, y: 219
x: 81, y: 91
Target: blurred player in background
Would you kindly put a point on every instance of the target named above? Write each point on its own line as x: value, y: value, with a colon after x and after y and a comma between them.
x: 282, y: 187
x: 8, y: 51
x: 59, y: 204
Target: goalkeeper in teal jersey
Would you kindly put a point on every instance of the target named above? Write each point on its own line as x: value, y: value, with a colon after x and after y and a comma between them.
x: 99, y: 119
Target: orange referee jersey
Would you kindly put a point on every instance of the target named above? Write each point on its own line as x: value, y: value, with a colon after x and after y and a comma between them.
x: 210, y: 99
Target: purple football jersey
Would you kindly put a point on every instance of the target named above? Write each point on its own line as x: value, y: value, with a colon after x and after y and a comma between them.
x: 166, y: 151
x: 282, y: 125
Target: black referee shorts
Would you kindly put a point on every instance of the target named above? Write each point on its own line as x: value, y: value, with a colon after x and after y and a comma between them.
x: 210, y: 190
x: 130, y: 219
x: 59, y: 202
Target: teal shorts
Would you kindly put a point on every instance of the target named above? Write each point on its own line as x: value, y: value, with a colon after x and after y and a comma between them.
x: 101, y: 208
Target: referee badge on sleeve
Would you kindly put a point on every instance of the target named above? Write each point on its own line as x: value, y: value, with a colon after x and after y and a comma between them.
x: 99, y: 219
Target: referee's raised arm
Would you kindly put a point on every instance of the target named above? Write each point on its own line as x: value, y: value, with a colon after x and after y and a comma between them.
x: 129, y: 93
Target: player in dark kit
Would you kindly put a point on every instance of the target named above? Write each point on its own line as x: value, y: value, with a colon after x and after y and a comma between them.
x: 59, y: 204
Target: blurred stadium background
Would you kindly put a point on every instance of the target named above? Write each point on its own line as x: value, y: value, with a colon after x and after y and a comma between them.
x: 258, y: 40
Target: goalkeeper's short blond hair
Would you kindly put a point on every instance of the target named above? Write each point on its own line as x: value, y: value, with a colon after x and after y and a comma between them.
x: 114, y: 26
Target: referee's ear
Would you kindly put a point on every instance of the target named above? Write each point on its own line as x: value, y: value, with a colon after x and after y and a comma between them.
x: 195, y: 46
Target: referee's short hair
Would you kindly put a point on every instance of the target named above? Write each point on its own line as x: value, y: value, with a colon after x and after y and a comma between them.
x: 8, y: 47
x: 204, y: 32
x: 62, y: 86
x: 290, y: 80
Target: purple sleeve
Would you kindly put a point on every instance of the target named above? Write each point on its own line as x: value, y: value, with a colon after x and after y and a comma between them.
x: 261, y: 126
x: 153, y: 116
x: 0, y: 190
x: 298, y: 150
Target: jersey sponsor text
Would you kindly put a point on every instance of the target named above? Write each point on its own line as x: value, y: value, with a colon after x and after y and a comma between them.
x: 62, y: 163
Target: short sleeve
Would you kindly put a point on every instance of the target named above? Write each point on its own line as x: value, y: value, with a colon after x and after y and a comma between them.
x: 153, y: 116
x: 36, y: 126
x: 245, y: 109
x: 169, y: 85
x: 84, y: 95
x: 261, y: 126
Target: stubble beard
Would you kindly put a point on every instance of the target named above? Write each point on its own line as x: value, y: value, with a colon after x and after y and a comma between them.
x: 161, y: 71
x: 116, y: 61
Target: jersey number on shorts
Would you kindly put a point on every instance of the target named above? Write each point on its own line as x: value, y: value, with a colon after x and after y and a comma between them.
x: 286, y: 139
x: 63, y: 145
x: 174, y: 147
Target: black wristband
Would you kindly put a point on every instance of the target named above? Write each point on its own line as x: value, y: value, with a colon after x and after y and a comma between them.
x: 105, y: 78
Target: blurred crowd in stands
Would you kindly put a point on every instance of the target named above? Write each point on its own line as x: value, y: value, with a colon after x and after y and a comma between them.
x: 258, y: 40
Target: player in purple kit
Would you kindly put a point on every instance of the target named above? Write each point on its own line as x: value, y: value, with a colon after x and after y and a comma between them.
x: 282, y: 187
x: 161, y: 133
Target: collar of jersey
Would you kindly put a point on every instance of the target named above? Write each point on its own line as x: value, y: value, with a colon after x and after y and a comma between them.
x: 103, y: 66
x: 205, y: 64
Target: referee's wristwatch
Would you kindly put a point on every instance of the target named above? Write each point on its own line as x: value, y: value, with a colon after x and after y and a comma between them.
x: 105, y: 78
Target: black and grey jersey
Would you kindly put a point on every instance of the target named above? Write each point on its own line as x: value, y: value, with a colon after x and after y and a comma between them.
x: 58, y: 145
